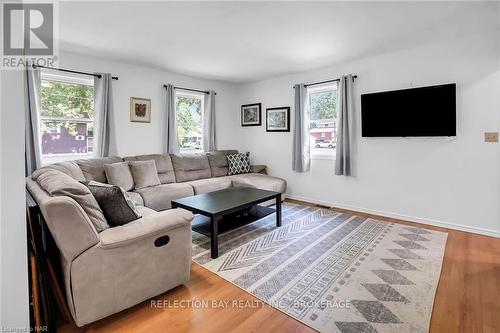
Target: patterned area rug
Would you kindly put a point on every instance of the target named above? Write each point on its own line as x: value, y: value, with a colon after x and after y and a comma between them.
x: 334, y: 272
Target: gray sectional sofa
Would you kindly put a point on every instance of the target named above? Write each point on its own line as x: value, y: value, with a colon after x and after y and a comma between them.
x: 111, y: 270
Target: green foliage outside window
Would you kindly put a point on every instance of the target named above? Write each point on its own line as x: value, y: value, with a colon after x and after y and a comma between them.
x: 66, y: 100
x: 188, y: 118
x: 323, y: 106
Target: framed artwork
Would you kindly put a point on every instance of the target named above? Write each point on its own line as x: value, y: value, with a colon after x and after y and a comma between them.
x: 140, y: 110
x: 251, y: 114
x: 278, y: 119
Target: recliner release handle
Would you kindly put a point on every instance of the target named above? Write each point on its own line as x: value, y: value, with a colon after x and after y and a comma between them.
x: 162, y: 241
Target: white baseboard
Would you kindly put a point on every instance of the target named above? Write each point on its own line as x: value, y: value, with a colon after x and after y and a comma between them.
x: 436, y: 223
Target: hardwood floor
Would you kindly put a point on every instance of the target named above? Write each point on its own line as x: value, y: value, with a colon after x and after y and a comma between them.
x: 467, y: 299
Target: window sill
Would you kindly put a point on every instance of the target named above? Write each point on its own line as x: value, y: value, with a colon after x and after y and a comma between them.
x: 322, y: 157
x: 56, y: 158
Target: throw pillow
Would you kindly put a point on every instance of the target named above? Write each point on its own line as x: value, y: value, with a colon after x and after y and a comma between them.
x: 114, y: 202
x: 119, y: 174
x: 144, y: 173
x: 57, y: 183
x: 238, y: 163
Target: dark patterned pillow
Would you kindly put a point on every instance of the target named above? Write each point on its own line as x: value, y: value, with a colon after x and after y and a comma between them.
x: 238, y: 163
x: 117, y: 207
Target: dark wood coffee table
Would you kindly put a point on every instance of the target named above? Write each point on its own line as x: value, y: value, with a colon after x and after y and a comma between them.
x: 225, y: 210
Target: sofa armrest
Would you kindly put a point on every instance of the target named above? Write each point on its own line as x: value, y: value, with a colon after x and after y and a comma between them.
x: 70, y: 226
x: 145, y: 227
x: 259, y: 169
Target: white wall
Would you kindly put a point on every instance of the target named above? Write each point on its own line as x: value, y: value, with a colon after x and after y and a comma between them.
x: 140, y: 138
x: 437, y: 181
x: 13, y: 244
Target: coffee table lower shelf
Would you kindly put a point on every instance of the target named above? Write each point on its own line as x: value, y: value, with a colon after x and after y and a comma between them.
x: 201, y: 223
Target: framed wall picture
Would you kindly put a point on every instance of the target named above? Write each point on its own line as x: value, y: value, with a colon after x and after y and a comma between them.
x: 278, y: 119
x: 140, y: 110
x: 251, y: 114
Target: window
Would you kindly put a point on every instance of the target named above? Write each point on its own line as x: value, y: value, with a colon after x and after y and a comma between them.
x: 323, y: 120
x: 189, y: 109
x: 67, y: 117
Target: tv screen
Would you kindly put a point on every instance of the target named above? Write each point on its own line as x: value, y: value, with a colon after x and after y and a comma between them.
x: 427, y: 111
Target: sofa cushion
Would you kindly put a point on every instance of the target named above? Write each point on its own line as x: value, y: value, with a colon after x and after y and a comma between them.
x: 160, y: 197
x: 119, y: 174
x: 144, y: 173
x: 210, y: 184
x: 163, y: 165
x: 239, y: 163
x: 57, y: 183
x: 136, y: 198
x: 68, y: 167
x: 93, y: 168
x: 117, y: 207
x: 218, y: 162
x: 257, y: 180
x: 189, y: 167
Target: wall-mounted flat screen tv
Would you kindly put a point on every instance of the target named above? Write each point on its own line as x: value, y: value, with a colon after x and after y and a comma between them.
x: 426, y: 111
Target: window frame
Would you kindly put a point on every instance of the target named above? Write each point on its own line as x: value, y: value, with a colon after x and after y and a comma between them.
x: 69, y: 79
x: 318, y: 89
x: 193, y: 95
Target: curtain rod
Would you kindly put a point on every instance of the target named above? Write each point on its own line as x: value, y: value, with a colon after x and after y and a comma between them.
x: 189, y: 89
x: 327, y: 81
x: 74, y: 72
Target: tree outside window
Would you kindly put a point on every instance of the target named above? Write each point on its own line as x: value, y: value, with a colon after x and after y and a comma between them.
x: 189, y: 122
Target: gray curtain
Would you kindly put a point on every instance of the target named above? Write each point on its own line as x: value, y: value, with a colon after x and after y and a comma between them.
x: 345, y: 103
x: 209, y: 122
x: 301, y: 149
x: 171, y: 139
x: 103, y: 108
x: 33, y: 156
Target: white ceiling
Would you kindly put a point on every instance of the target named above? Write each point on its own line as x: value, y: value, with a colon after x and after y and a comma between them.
x: 248, y: 41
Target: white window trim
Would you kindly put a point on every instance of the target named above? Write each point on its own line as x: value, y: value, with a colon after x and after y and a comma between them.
x: 322, y: 88
x: 322, y: 157
x: 50, y: 75
x: 317, y: 89
x: 190, y: 94
x: 67, y: 78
